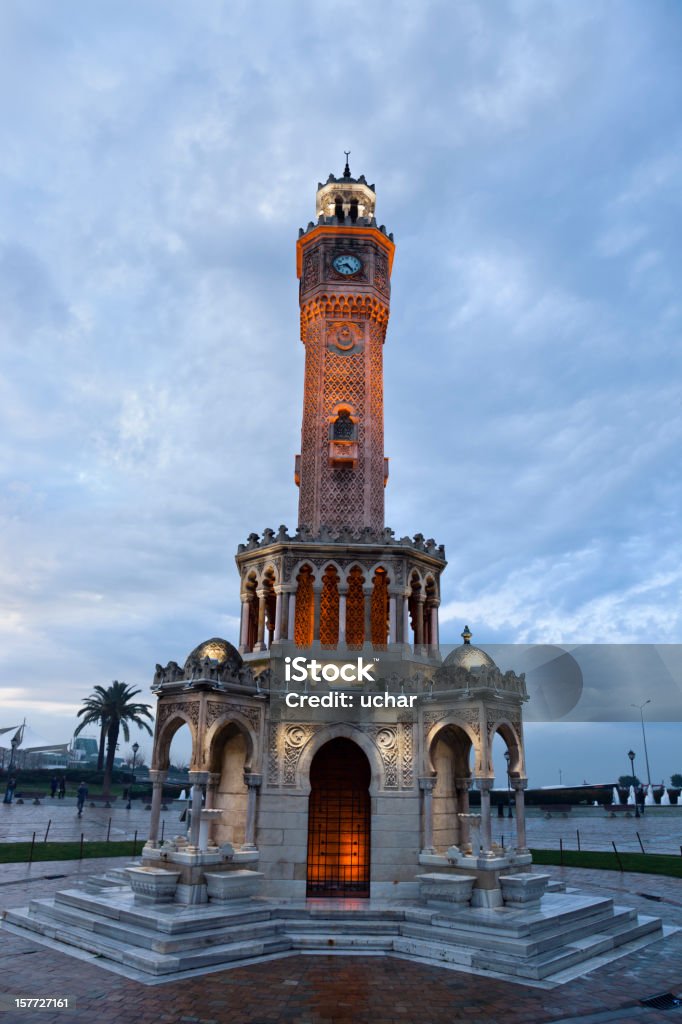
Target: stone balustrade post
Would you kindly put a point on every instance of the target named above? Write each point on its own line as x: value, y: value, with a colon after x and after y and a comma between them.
x: 244, y: 632
x: 198, y: 779
x: 426, y: 785
x: 157, y: 778
x: 519, y: 786
x: 462, y: 791
x: 254, y: 782
x: 343, y: 592
x: 485, y: 785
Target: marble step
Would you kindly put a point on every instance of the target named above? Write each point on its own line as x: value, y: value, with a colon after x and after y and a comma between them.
x: 147, y: 937
x: 333, y: 939
x: 164, y: 917
x: 556, y: 911
x: 146, y: 960
x: 490, y: 938
x: 311, y: 925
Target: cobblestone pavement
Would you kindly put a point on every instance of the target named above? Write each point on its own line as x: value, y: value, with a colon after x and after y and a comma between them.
x: 335, y: 989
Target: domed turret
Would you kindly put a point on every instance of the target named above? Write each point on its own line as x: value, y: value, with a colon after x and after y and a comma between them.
x: 218, y: 650
x: 467, y: 656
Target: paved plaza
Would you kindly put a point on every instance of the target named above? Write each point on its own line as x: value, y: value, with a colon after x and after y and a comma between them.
x: 340, y: 989
x: 660, y: 829
x: 335, y: 989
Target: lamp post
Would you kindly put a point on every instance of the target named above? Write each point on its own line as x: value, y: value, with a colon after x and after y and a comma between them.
x: 136, y: 747
x: 631, y: 755
x: 507, y: 758
x: 640, y: 708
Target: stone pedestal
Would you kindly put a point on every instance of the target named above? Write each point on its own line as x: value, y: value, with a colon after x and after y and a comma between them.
x: 232, y: 885
x: 453, y: 890
x: 153, y: 885
x: 523, y: 892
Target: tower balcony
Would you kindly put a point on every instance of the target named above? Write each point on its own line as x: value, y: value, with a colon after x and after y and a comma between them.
x: 343, y: 453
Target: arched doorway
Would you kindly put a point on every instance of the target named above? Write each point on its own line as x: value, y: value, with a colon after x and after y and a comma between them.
x: 339, y: 821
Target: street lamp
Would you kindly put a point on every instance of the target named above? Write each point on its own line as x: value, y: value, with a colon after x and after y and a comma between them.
x: 631, y: 755
x: 136, y: 747
x: 640, y: 708
x: 507, y: 757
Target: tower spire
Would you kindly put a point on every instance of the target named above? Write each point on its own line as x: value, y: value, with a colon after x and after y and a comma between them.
x: 346, y: 170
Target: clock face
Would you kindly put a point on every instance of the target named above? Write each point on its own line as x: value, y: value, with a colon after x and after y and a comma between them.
x: 347, y: 264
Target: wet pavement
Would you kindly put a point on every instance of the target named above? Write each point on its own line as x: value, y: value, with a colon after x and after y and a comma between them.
x: 18, y: 822
x: 340, y: 989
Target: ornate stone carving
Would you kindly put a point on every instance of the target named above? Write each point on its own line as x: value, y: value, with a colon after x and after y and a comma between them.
x: 216, y: 709
x: 406, y: 755
x: 295, y: 738
x: 311, y: 272
x: 184, y: 707
x: 386, y: 739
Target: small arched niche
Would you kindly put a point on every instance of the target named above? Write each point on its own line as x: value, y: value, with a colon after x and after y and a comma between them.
x: 450, y: 755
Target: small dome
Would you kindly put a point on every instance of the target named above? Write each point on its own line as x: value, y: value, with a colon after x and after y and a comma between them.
x: 217, y: 650
x: 469, y: 657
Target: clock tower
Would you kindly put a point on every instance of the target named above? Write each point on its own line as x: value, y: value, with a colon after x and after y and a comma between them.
x: 344, y: 266
x: 342, y: 581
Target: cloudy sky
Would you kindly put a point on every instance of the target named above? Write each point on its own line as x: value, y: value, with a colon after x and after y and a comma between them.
x: 156, y: 162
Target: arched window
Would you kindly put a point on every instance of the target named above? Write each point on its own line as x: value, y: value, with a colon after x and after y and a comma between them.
x: 353, y: 212
x: 329, y: 608
x: 305, y: 608
x: 355, y: 609
x: 343, y: 428
x: 380, y: 608
x: 338, y: 209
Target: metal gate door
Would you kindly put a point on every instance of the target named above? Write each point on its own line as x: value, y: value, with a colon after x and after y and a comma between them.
x: 339, y: 822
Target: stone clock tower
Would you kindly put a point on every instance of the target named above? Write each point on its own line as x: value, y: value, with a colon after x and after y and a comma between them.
x: 344, y: 266
x: 343, y: 581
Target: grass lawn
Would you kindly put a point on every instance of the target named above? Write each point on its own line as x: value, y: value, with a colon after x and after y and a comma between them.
x: 606, y: 860
x: 19, y: 853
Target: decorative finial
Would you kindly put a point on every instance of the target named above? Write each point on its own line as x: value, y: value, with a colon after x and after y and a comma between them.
x: 466, y: 635
x: 346, y: 170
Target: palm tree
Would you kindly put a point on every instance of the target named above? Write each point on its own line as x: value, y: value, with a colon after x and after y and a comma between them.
x: 92, y: 712
x: 113, y: 708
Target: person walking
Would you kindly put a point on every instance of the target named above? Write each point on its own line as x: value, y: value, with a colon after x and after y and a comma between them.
x: 54, y: 782
x: 82, y: 794
x: 9, y: 792
x: 62, y: 787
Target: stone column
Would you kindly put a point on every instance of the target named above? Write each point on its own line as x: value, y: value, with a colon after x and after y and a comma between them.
x: 485, y: 785
x: 292, y: 616
x: 433, y: 613
x: 284, y: 626
x: 368, y: 614
x: 253, y: 781
x: 260, y: 636
x: 317, y: 598
x: 197, y: 779
x: 342, y: 616
x: 158, y: 778
x: 520, y: 786
x: 244, y: 633
x: 406, y: 619
x: 212, y: 789
x: 462, y: 791
x: 392, y: 619
x: 426, y: 786
x: 279, y: 598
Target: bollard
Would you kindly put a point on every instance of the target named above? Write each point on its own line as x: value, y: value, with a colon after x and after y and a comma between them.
x: 80, y: 854
x: 163, y: 825
x: 47, y: 830
x: 620, y: 863
x: 641, y: 844
x: 135, y: 842
x: 108, y: 829
x: 577, y: 832
x: 33, y: 842
x: 561, y: 852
